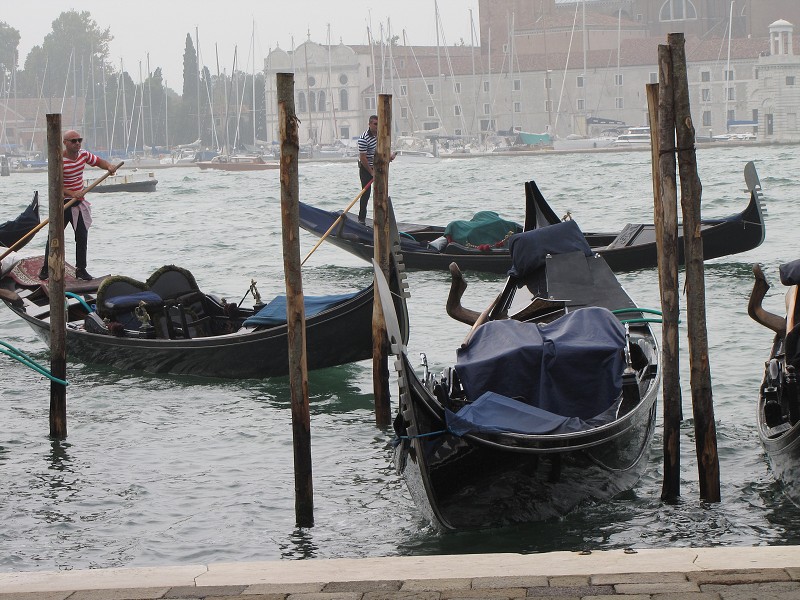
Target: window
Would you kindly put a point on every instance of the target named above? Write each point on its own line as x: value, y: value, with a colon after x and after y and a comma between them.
x: 343, y: 103
x: 505, y: 48
x: 618, y: 79
x: 369, y: 103
x: 705, y: 95
x: 581, y: 104
x: 677, y: 10
x: 431, y: 111
x: 487, y: 125
x: 457, y: 87
x: 403, y: 112
x: 344, y: 133
x: 579, y: 81
x: 487, y: 109
x: 369, y: 72
x: 312, y: 101
x: 311, y: 81
x: 458, y: 132
x: 321, y: 102
x: 728, y: 75
x: 548, y: 105
x: 653, y: 77
x: 731, y: 93
x: 731, y: 115
x: 430, y: 88
x: 343, y: 79
x: 706, y: 118
x: 403, y: 90
x: 548, y: 83
x: 457, y: 110
x: 755, y: 115
x: 790, y: 80
x: 517, y: 107
x: 517, y: 85
x: 705, y: 76
x: 430, y: 126
x: 301, y: 102
x: 619, y: 102
x: 485, y: 86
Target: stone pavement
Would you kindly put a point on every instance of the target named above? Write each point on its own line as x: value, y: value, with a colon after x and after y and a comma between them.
x: 758, y: 573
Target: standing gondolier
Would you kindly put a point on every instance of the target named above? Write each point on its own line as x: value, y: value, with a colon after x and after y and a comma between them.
x: 80, y: 214
x: 367, y: 144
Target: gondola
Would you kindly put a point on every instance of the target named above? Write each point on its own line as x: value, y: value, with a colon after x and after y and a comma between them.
x: 426, y: 247
x: 778, y: 410
x: 168, y: 325
x: 13, y: 231
x: 551, y: 402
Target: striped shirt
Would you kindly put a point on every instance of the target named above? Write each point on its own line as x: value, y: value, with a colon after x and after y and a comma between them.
x: 367, y: 144
x: 73, y: 169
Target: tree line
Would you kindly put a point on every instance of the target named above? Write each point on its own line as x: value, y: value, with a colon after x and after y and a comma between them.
x: 128, y: 107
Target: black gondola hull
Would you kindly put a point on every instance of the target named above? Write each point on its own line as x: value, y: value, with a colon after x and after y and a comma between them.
x: 630, y: 249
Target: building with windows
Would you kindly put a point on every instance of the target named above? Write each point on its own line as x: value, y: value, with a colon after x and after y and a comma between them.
x: 554, y: 67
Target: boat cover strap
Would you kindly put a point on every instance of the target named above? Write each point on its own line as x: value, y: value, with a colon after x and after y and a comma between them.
x: 571, y: 367
x: 495, y: 413
x: 274, y: 313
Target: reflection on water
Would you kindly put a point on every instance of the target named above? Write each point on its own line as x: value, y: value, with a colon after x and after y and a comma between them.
x: 177, y: 470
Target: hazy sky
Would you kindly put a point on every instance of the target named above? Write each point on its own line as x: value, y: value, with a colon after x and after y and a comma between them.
x: 159, y: 27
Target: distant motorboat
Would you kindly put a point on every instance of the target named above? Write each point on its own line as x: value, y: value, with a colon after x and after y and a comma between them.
x: 420, y: 156
x: 634, y: 136
x: 577, y: 142
x: 135, y: 181
x: 224, y: 162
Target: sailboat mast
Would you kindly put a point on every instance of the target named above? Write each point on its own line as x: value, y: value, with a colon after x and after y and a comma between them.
x: 253, y: 81
x: 199, y: 71
x: 728, y: 70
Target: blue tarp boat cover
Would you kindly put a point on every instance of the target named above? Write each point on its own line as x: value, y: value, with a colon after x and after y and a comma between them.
x: 790, y: 273
x: 274, y: 313
x: 529, y: 249
x: 571, y: 367
x: 493, y: 413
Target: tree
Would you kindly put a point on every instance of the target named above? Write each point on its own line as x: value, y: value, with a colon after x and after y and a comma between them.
x: 9, y: 44
x: 188, y: 125
x: 75, y: 41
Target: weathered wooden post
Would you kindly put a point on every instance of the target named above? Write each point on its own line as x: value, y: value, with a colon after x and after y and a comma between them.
x: 380, y: 218
x: 295, y: 311
x: 666, y: 220
x: 691, y: 191
x: 55, y: 283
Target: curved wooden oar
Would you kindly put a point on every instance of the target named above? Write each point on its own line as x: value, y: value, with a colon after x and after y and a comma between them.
x: 84, y: 191
x: 337, y: 221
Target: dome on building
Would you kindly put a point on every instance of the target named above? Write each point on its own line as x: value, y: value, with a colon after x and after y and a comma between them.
x: 278, y: 59
x: 780, y: 23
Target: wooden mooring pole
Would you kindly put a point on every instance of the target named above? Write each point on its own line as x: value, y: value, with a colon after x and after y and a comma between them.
x: 691, y: 191
x: 380, y: 218
x: 295, y: 311
x: 55, y: 283
x: 660, y: 103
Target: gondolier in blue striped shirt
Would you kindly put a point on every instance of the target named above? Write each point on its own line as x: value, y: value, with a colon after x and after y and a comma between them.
x: 367, y: 144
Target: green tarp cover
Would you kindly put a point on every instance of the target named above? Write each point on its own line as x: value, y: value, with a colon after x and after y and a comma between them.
x: 486, y: 227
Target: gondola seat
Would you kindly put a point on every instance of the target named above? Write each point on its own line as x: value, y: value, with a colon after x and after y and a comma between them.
x: 185, y: 313
x: 119, y: 296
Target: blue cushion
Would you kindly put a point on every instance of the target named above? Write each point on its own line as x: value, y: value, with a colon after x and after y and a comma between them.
x: 130, y: 300
x: 529, y: 249
x: 274, y: 313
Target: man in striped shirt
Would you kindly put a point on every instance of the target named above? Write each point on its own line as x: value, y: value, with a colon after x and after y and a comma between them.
x: 80, y: 213
x: 367, y: 144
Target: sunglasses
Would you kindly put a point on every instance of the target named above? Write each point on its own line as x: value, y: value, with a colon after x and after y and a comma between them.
x: 76, y: 140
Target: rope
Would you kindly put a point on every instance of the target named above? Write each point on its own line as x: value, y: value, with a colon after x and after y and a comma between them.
x: 421, y: 435
x: 26, y: 360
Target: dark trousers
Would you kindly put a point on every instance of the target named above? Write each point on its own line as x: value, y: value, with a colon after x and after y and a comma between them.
x: 366, y: 177
x: 81, y: 239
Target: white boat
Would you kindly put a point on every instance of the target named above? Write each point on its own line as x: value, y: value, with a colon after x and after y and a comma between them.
x: 634, y: 136
x: 134, y: 181
x: 577, y: 142
x: 418, y: 156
